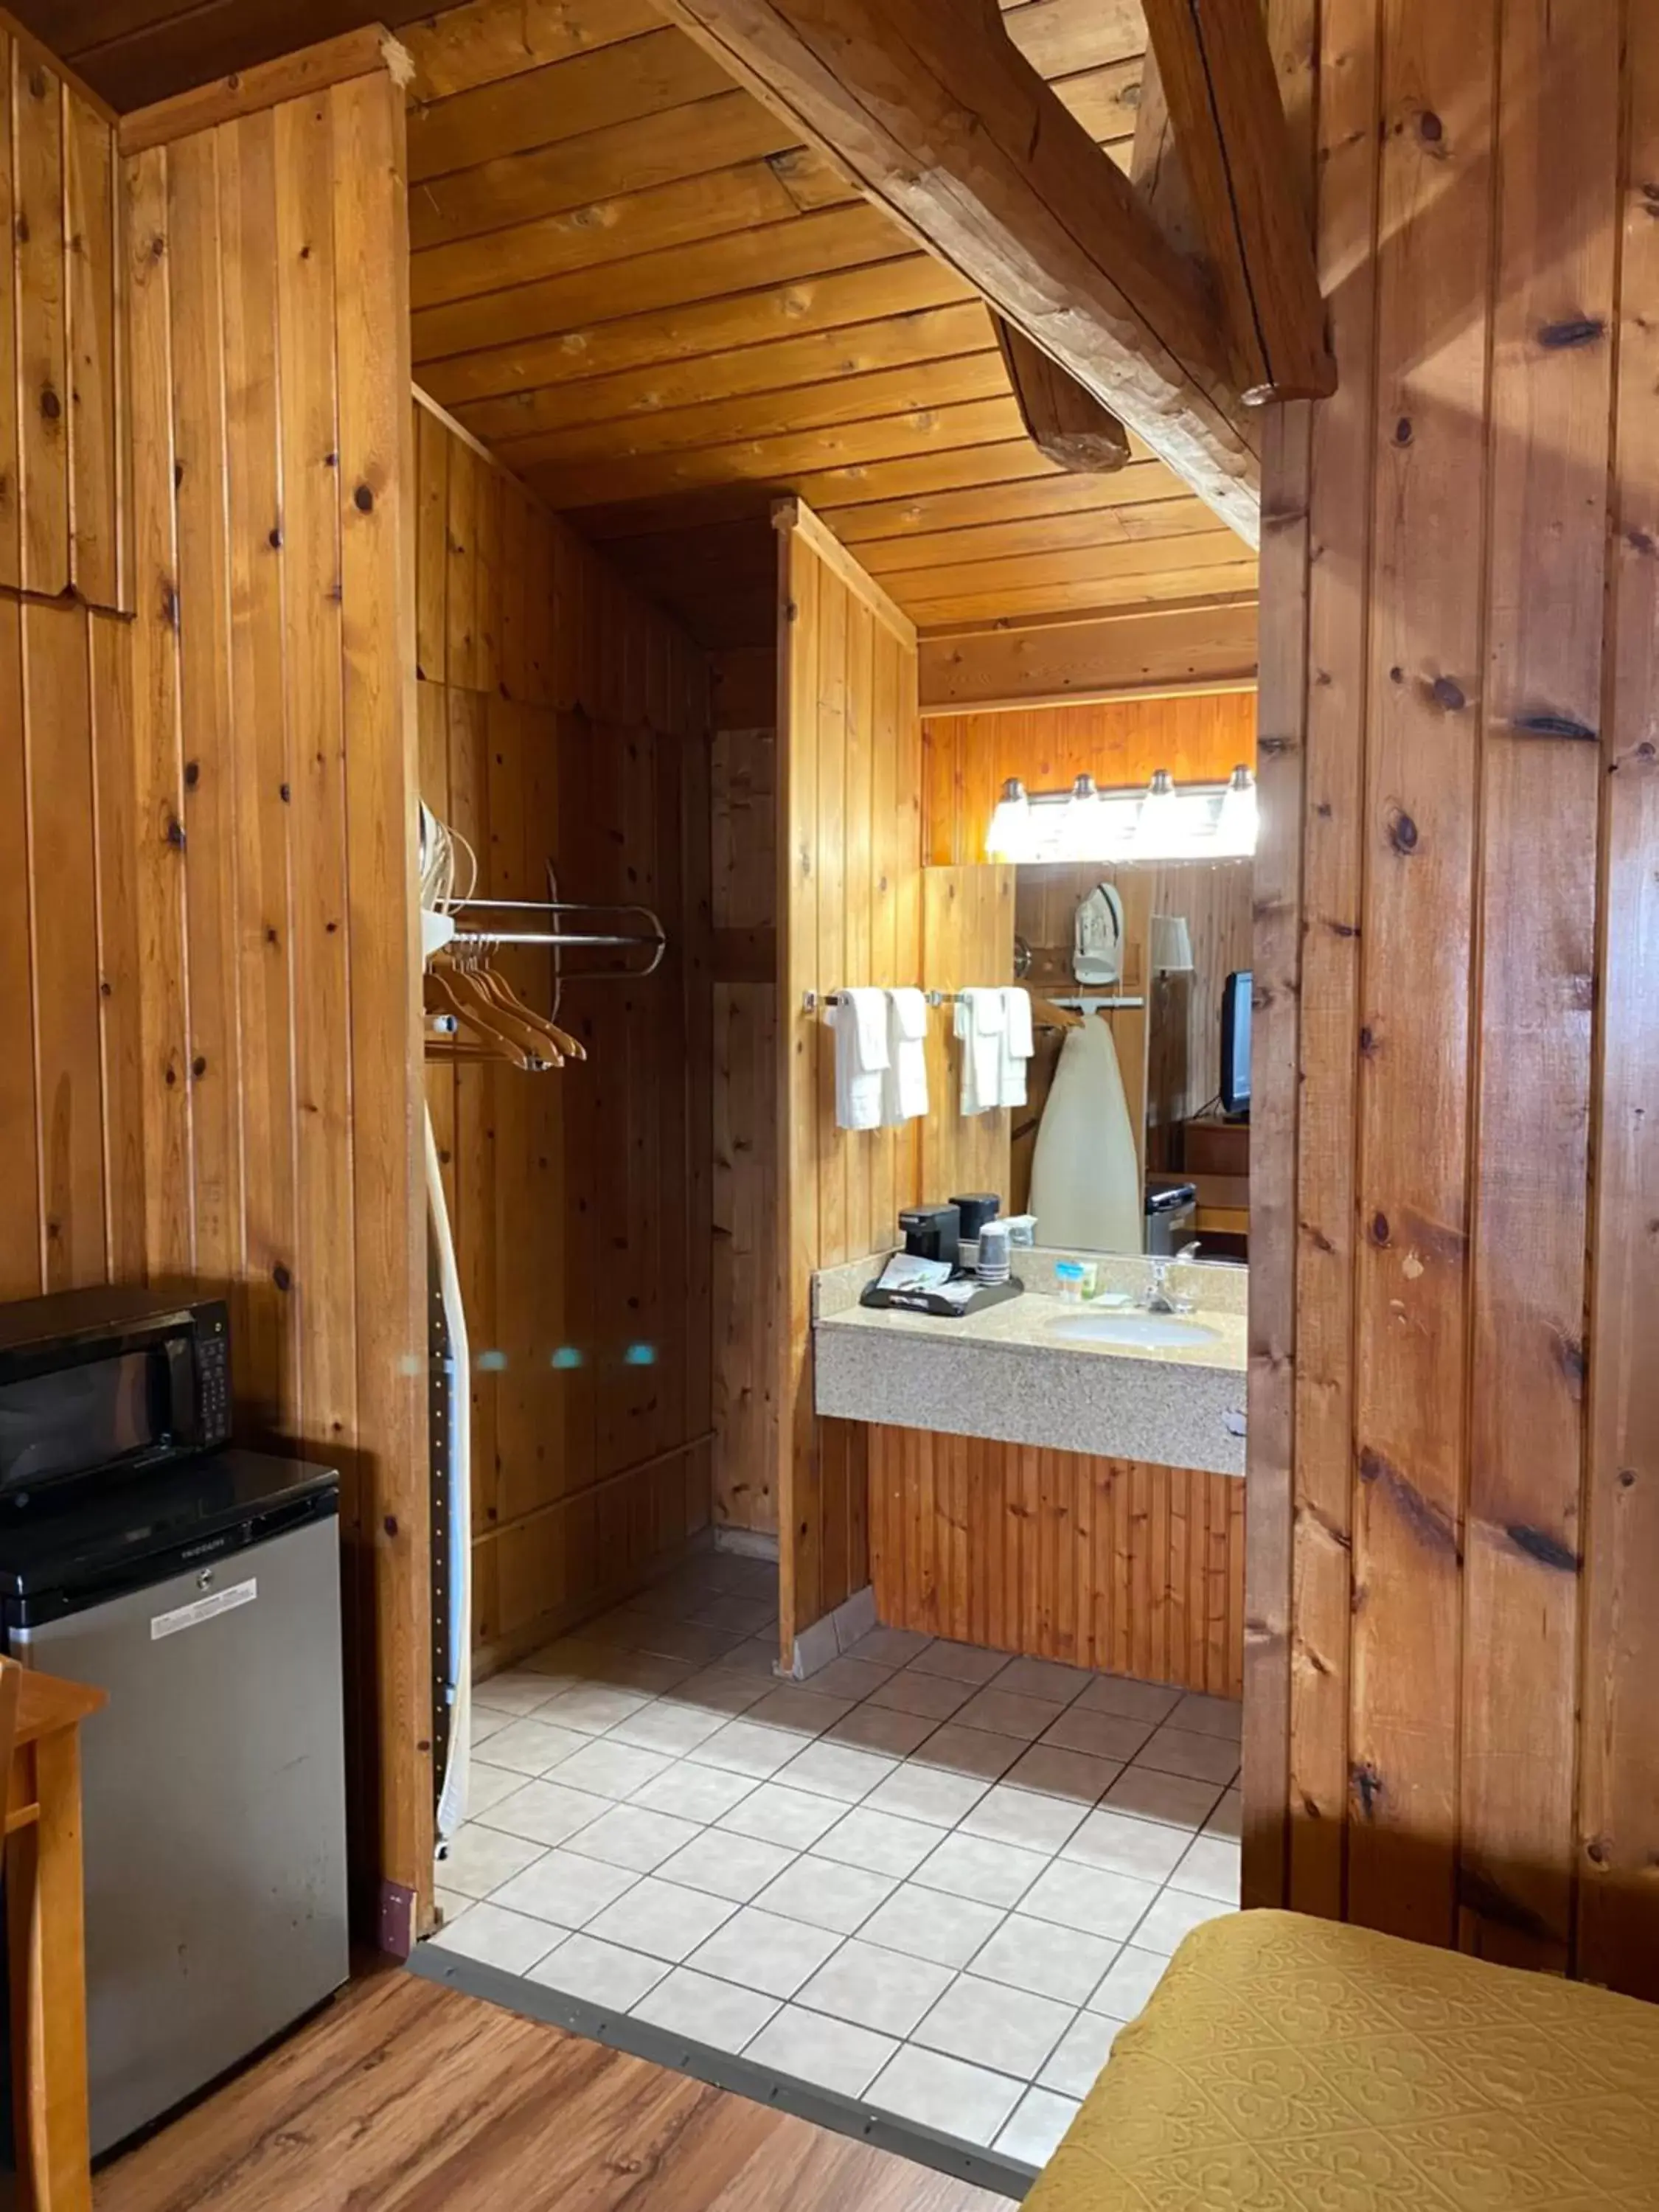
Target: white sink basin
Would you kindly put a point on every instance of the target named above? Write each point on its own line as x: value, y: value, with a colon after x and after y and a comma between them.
x: 1129, y: 1329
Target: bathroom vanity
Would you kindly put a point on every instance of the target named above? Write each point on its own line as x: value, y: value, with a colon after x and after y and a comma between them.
x: 1060, y: 1481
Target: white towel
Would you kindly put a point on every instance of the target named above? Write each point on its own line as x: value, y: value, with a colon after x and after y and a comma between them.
x: 1017, y: 1047
x: 860, y: 1021
x: 904, y: 1086
x: 980, y: 1015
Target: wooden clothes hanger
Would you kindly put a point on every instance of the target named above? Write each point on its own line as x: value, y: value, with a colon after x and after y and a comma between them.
x: 450, y: 991
x: 507, y: 1000
x: 1047, y: 1016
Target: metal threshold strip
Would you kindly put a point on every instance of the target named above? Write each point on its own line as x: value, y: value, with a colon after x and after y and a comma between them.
x: 966, y: 2162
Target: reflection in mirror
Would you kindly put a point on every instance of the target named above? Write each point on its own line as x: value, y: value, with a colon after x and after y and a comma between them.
x: 1125, y: 1145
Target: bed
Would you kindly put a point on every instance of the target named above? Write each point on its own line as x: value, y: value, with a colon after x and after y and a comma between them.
x: 1288, y: 2064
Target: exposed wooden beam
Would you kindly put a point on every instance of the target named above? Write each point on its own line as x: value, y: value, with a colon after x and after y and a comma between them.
x: 930, y: 109
x: 1215, y: 71
x: 1066, y: 423
x: 1155, y: 168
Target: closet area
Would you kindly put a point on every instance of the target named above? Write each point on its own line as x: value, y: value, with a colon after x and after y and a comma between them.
x: 564, y: 747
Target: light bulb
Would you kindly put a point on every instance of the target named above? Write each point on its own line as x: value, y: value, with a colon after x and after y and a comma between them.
x: 1235, y: 833
x: 1009, y: 837
x: 1083, y: 824
x: 1156, y: 824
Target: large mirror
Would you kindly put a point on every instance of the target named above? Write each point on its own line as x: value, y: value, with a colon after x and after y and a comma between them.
x: 1136, y: 1134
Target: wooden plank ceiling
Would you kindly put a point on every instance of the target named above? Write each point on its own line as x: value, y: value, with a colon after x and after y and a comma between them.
x: 634, y: 285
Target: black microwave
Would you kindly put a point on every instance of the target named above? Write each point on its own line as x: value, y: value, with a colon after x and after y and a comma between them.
x: 118, y: 1379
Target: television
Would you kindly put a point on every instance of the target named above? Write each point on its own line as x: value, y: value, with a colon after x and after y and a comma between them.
x: 1236, y: 1045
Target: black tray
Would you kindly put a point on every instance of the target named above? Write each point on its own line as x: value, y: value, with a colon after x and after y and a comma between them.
x: 930, y: 1302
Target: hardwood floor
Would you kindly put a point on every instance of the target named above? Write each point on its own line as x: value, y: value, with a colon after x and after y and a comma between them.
x: 404, y: 2097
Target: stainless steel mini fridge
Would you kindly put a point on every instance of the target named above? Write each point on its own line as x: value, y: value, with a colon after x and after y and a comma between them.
x: 206, y: 1600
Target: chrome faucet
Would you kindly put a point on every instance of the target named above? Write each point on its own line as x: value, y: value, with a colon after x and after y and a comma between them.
x: 1157, y: 1297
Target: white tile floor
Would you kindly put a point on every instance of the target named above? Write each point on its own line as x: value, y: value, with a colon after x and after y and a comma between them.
x: 934, y: 1879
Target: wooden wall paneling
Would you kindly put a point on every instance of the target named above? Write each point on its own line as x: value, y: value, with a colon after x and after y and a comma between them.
x: 670, y: 1174
x: 799, y: 1093
x: 92, y: 387
x: 968, y: 939
x: 11, y: 506
x: 1421, y: 799
x: 161, y: 816
x: 861, y: 1231
x: 159, y: 768
x: 1460, y: 1663
x: 848, y: 759
x: 1555, y: 232
x: 62, y: 863
x: 892, y: 742
x: 41, y: 279
x: 1618, y: 1922
x: 375, y: 474
x: 747, y: 1362
x: 207, y: 720
x: 688, y: 710
x: 831, y: 830
x: 1276, y: 996
x: 324, y: 1174
x: 432, y: 444
x: 522, y: 1429
x: 62, y: 426
x: 1343, y: 462
x: 20, y: 1191
x: 120, y: 935
x: 1093, y: 1562
x: 269, y: 1368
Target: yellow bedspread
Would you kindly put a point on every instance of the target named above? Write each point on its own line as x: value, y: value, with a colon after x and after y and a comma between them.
x: 1286, y: 2064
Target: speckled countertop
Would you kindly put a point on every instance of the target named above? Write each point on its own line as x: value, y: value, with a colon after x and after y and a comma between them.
x: 1005, y: 1374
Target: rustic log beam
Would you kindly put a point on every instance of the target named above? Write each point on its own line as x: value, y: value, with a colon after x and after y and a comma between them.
x: 1214, y: 70
x: 1155, y: 168
x: 932, y: 109
x: 1066, y: 423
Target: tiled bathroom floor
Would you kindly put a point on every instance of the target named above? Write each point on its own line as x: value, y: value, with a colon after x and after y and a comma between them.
x: 933, y: 1879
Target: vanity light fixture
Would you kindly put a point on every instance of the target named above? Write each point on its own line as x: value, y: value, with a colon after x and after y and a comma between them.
x: 1130, y: 823
x: 1009, y: 837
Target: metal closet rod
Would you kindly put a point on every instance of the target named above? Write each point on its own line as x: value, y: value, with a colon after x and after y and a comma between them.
x: 656, y: 940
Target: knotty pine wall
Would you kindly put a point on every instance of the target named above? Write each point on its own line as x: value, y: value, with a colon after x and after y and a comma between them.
x: 206, y: 917
x: 818, y: 884
x: 72, y: 1202
x: 1200, y: 736
x: 1096, y: 1562
x: 850, y: 912
x: 563, y: 718
x: 272, y: 681
x: 748, y: 1272
x: 1450, y: 1728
